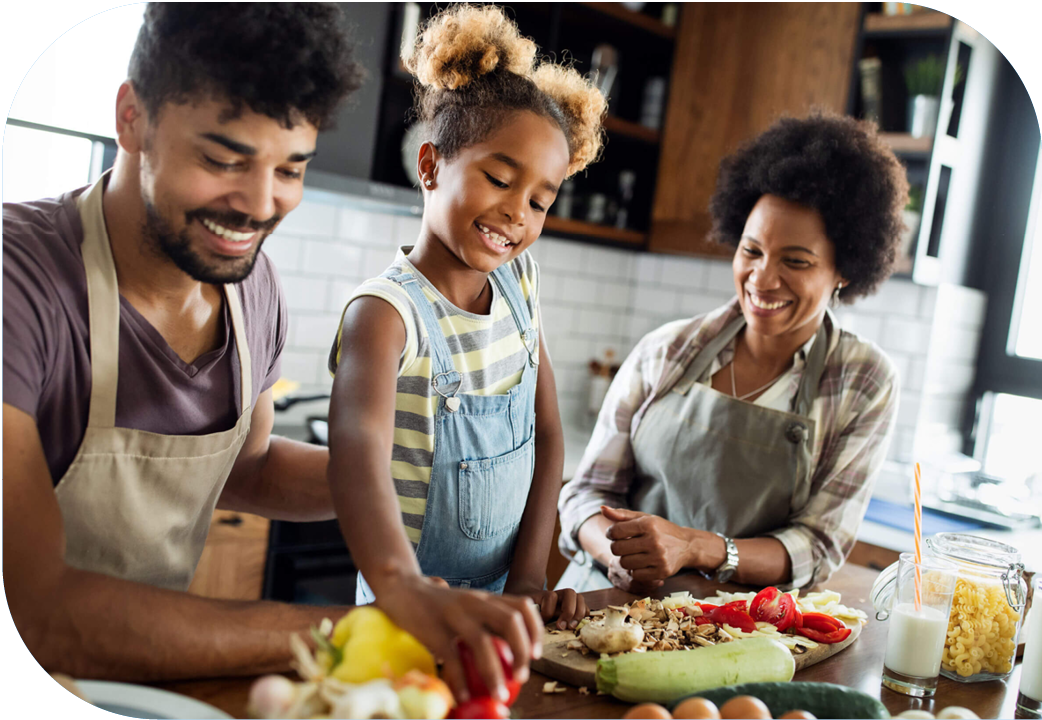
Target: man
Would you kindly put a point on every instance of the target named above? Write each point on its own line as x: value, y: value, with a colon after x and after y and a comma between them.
x: 142, y: 335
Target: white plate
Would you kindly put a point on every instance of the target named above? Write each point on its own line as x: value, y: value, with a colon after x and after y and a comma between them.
x: 140, y: 701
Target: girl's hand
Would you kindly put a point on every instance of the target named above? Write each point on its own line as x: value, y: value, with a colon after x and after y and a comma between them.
x: 567, y: 604
x: 437, y: 615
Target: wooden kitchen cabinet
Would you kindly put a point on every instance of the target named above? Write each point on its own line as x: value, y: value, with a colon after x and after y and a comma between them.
x: 736, y: 68
x: 232, y: 564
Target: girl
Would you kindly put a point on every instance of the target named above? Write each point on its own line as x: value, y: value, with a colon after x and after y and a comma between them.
x: 445, y: 433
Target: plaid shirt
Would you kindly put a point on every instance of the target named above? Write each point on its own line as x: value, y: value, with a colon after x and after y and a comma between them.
x: 854, y: 411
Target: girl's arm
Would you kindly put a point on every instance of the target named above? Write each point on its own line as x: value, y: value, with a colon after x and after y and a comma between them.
x: 528, y: 569
x: 361, y: 437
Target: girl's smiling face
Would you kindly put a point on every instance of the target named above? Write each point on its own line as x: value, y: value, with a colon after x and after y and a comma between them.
x: 784, y: 269
x: 487, y: 204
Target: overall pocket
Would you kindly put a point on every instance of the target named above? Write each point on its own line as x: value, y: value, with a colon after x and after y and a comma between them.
x: 493, y: 492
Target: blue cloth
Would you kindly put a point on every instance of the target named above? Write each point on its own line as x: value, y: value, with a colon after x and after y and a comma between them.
x: 902, y: 518
x: 484, y: 459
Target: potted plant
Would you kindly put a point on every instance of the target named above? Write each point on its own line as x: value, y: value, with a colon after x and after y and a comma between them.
x: 924, y: 79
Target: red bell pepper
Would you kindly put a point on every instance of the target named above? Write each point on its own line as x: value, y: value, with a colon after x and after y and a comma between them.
x: 823, y: 628
x: 475, y: 684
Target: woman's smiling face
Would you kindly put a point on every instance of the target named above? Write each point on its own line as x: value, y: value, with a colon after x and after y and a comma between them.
x: 488, y: 203
x: 784, y: 269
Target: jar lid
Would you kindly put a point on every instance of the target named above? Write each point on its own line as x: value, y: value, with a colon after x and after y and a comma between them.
x: 974, y: 549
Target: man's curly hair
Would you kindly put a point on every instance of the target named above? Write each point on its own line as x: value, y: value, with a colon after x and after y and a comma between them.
x: 473, y: 69
x: 289, y: 61
x: 835, y: 165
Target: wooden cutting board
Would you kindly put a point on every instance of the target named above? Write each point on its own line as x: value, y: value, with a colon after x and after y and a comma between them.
x: 572, y: 667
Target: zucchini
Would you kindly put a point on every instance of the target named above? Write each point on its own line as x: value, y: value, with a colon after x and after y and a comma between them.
x: 662, y: 677
x: 824, y: 700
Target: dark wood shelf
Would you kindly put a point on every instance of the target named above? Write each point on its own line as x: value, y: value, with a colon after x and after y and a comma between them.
x: 631, y: 129
x: 905, y: 144
x: 616, y: 10
x: 554, y: 224
x: 915, y: 24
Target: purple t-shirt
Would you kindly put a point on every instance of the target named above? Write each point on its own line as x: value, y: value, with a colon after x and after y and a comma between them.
x: 47, y: 342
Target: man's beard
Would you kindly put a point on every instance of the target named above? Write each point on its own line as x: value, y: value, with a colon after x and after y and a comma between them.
x: 178, y: 246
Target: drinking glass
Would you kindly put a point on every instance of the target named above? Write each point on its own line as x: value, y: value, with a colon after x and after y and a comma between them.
x: 915, y: 639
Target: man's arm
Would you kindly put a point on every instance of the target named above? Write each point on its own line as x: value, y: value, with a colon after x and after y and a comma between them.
x: 278, y: 478
x: 95, y: 626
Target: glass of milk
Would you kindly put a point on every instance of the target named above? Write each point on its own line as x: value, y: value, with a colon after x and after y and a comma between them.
x: 1029, y: 700
x: 915, y: 639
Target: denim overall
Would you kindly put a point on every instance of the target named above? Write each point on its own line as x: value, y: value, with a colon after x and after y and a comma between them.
x: 477, y: 492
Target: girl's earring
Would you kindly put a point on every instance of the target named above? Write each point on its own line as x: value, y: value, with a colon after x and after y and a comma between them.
x: 428, y: 182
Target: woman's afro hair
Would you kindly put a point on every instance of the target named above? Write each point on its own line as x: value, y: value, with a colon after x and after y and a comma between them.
x: 835, y: 165
x: 474, y: 69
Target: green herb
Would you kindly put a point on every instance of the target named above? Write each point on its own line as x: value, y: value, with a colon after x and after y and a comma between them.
x: 322, y: 642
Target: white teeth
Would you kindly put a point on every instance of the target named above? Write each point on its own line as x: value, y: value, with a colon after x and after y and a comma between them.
x: 226, y: 233
x: 495, y: 237
x: 765, y: 305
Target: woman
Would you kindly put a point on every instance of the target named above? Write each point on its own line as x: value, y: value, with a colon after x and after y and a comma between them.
x: 743, y: 443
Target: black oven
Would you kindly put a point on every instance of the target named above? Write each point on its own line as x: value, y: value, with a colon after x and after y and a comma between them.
x: 308, y: 562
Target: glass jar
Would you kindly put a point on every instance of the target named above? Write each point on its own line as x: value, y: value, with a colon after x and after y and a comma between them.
x: 986, y: 609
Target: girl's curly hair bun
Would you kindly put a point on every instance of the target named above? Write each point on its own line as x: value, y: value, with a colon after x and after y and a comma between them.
x: 466, y: 42
x: 583, y: 106
x: 474, y: 70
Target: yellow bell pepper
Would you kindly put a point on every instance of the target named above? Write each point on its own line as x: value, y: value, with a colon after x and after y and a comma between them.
x: 373, y: 647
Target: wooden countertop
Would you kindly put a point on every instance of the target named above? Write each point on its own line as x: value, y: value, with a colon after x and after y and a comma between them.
x: 859, y: 666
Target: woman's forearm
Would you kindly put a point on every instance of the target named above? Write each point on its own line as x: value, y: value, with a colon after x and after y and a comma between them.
x: 594, y: 541
x: 761, y: 560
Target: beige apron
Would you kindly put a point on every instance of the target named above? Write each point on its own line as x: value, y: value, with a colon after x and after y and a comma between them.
x: 709, y: 461
x: 138, y: 505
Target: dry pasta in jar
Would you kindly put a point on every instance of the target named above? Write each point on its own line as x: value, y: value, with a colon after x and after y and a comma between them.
x: 982, y: 631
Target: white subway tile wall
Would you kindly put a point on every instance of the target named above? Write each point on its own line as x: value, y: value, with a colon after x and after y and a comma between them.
x: 597, y: 299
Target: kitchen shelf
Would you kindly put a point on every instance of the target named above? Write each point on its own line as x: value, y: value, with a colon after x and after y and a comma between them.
x: 617, y: 11
x: 927, y: 22
x: 905, y: 144
x: 631, y: 129
x: 554, y: 224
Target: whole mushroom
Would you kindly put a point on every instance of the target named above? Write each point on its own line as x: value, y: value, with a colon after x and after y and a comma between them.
x: 614, y: 635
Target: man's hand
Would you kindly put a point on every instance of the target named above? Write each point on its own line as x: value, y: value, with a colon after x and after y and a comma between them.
x: 567, y: 605
x: 437, y: 615
x: 650, y: 547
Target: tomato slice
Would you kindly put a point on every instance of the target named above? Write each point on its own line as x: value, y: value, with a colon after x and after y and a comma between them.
x: 733, y: 614
x: 773, y: 606
x: 479, y: 709
x: 823, y: 628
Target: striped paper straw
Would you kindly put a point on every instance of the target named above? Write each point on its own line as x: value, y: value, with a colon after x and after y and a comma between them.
x: 918, y: 539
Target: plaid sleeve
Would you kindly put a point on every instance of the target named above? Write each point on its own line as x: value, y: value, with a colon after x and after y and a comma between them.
x: 822, y: 534
x: 604, y: 474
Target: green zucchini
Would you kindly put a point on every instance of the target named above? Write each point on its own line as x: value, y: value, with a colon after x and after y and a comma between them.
x: 662, y: 677
x: 823, y: 700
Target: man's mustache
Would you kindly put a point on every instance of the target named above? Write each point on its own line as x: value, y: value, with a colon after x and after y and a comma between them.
x: 232, y: 219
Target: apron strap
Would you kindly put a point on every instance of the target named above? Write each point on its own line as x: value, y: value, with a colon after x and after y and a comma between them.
x: 241, y: 347
x: 102, y: 308
x: 705, y: 357
x: 812, y: 370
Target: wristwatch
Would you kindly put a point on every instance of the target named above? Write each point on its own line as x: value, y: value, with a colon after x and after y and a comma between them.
x: 727, y: 569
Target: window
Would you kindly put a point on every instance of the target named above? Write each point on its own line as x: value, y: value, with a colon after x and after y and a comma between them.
x: 62, y: 121
x: 1025, y: 339
x: 1009, y: 424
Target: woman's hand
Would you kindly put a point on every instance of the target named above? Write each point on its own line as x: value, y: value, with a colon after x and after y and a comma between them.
x: 566, y: 604
x: 651, y: 548
x: 623, y: 579
x: 437, y: 615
